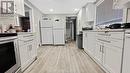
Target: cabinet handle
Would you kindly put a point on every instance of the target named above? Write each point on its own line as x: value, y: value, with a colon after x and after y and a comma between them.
x: 28, y: 40
x: 105, y: 34
x: 102, y: 49
x: 28, y: 36
x: 104, y: 40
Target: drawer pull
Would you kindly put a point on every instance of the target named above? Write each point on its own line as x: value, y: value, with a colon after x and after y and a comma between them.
x: 28, y: 40
x: 103, y: 49
x: 105, y: 41
x: 105, y: 34
x: 100, y: 49
x: 28, y: 36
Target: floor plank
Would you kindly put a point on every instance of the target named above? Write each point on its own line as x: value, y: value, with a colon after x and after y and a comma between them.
x: 63, y: 59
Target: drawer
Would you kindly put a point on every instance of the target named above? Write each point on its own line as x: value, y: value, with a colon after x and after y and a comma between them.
x: 23, y: 42
x: 117, y: 43
x: 23, y: 39
x: 117, y: 35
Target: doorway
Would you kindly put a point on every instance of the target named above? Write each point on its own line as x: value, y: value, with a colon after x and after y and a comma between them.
x: 71, y: 28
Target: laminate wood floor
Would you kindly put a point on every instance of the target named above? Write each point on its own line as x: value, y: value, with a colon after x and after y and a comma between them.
x: 63, y: 59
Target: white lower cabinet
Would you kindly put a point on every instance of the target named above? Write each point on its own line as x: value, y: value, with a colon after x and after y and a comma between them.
x: 98, y: 52
x: 126, y: 59
x: 89, y: 42
x: 24, y: 56
x: 47, y: 36
x: 106, y: 52
x: 58, y: 35
x: 27, y: 50
x: 112, y: 59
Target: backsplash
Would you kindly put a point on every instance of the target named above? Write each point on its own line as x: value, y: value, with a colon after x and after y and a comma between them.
x: 5, y: 23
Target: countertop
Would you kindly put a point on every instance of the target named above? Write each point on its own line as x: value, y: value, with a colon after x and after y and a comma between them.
x: 107, y: 30
x: 7, y: 38
x: 24, y: 33
x: 11, y: 36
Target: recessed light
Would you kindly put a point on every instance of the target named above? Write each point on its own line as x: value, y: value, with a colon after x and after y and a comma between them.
x: 51, y: 10
x: 76, y: 9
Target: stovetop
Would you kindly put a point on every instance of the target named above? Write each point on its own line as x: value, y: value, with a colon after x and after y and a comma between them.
x: 7, y: 34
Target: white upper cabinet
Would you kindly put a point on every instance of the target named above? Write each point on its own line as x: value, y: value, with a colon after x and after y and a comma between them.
x: 90, y: 12
x: 120, y: 4
x: 12, y: 7
x: 19, y: 7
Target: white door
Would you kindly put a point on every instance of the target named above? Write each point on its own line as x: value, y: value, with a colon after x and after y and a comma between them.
x: 46, y: 23
x: 47, y: 36
x: 59, y: 37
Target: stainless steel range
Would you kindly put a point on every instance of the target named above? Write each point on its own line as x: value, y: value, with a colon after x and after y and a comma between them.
x: 9, y: 55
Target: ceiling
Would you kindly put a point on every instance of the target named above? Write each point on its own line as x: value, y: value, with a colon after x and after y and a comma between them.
x: 59, y: 6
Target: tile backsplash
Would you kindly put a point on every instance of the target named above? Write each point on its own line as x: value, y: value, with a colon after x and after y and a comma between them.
x: 5, y: 22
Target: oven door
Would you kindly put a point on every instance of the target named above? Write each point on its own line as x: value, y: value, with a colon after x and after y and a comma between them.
x: 9, y: 56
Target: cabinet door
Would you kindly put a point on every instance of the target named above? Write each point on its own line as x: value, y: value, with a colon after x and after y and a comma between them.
x: 91, y: 42
x: 59, y: 22
x: 47, y: 35
x: 112, y: 59
x: 24, y: 56
x: 59, y: 37
x: 90, y: 9
x: 19, y: 7
x: 31, y: 50
x: 126, y: 59
x: 98, y: 52
x: 118, y: 4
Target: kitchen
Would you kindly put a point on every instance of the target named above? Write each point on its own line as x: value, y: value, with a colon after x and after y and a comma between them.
x: 89, y: 36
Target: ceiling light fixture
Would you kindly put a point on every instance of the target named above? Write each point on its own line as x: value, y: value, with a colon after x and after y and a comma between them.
x: 76, y: 9
x: 51, y: 10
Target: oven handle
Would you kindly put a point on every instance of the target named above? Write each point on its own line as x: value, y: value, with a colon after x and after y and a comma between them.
x: 6, y: 41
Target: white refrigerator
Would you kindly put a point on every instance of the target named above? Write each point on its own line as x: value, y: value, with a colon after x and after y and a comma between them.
x: 52, y: 32
x: 59, y: 32
x: 46, y: 28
